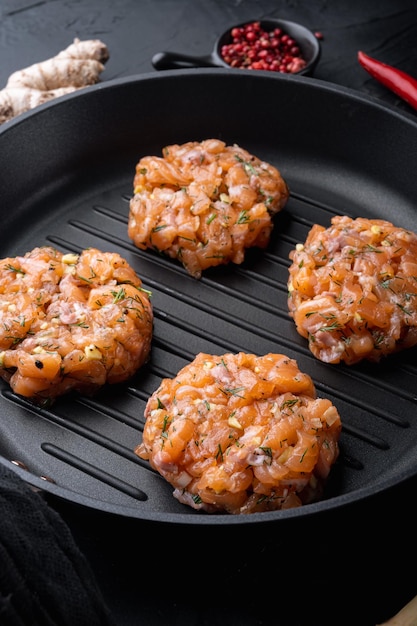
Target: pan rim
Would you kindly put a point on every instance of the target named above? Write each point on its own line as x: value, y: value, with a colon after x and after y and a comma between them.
x: 312, y: 510
x: 116, y: 83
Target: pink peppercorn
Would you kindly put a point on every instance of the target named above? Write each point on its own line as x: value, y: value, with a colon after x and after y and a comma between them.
x: 254, y: 48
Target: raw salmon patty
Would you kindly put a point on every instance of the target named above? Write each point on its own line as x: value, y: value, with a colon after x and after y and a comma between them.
x: 204, y: 203
x: 71, y: 322
x: 240, y: 433
x: 352, y: 289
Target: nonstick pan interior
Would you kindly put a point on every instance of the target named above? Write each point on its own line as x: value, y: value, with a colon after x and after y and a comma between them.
x: 66, y: 180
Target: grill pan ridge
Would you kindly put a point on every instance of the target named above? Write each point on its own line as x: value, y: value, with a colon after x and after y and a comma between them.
x: 75, y: 194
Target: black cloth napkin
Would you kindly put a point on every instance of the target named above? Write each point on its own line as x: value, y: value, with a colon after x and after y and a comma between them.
x: 45, y: 579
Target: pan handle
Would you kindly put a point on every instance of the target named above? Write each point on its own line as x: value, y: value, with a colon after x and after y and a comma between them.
x: 174, y: 60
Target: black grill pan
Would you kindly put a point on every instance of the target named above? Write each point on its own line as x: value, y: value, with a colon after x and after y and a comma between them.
x: 66, y: 179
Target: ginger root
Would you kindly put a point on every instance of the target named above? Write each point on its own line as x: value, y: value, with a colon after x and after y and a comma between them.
x: 79, y: 65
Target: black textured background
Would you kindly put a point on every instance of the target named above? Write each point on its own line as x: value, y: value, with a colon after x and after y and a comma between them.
x: 352, y: 568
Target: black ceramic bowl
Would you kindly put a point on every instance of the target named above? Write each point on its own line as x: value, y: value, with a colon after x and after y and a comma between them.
x: 308, y: 43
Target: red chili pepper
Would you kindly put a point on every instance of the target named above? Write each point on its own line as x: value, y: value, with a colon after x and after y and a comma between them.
x: 396, y: 80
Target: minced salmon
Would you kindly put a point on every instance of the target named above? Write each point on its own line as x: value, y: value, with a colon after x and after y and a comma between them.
x: 71, y: 322
x: 204, y: 203
x: 352, y: 289
x: 240, y: 434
